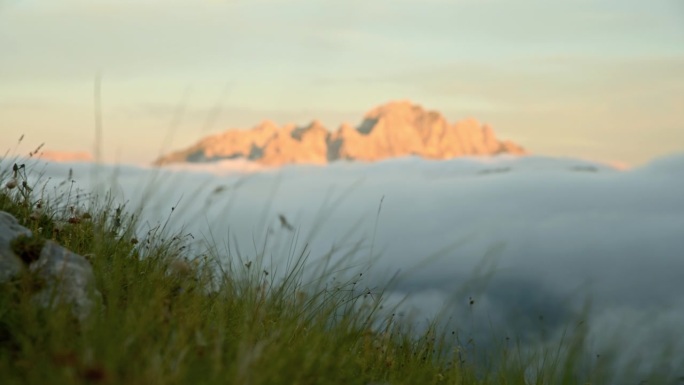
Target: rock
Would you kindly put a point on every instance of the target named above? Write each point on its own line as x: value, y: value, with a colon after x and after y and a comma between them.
x: 68, y: 277
x: 395, y: 129
x: 10, y: 264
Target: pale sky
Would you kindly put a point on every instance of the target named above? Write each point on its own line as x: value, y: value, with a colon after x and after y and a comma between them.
x: 597, y: 79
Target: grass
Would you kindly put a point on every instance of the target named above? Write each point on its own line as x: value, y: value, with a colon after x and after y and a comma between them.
x: 166, y: 317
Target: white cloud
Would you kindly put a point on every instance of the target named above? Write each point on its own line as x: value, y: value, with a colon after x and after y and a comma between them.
x: 562, y: 229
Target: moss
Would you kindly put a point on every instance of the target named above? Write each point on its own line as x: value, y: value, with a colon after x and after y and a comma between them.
x: 27, y: 248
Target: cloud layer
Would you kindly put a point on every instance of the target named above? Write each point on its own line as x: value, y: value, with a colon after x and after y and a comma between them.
x: 551, y: 231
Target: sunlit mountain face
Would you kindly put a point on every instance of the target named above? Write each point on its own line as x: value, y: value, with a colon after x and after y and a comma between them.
x: 395, y: 129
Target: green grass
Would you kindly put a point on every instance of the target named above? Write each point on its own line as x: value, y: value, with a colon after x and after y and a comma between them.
x: 165, y: 317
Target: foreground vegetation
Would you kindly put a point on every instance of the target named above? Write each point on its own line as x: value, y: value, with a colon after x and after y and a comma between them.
x: 166, y: 317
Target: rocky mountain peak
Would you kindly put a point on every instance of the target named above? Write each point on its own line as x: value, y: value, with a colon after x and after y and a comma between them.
x: 316, y: 127
x: 397, y: 128
x: 394, y: 108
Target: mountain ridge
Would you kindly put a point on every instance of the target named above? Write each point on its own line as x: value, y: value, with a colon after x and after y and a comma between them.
x: 394, y: 129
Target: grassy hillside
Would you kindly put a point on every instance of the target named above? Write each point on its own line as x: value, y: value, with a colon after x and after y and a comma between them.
x: 165, y: 317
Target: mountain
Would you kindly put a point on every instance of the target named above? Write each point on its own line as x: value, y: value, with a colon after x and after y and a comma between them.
x: 395, y: 129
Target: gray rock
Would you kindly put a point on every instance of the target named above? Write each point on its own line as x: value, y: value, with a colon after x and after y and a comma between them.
x: 68, y: 276
x: 10, y: 264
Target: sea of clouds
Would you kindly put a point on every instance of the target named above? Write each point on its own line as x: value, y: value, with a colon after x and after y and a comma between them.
x: 528, y: 240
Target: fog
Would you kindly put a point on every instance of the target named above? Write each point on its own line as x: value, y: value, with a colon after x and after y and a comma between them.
x: 528, y: 239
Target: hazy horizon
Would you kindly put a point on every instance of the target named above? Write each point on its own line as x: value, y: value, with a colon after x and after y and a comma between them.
x: 592, y: 79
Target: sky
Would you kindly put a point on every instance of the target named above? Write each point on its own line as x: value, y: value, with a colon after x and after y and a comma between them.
x: 521, y: 237
x: 593, y: 79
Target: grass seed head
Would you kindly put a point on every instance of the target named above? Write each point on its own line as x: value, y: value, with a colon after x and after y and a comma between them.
x: 11, y: 184
x: 180, y: 267
x: 35, y: 215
